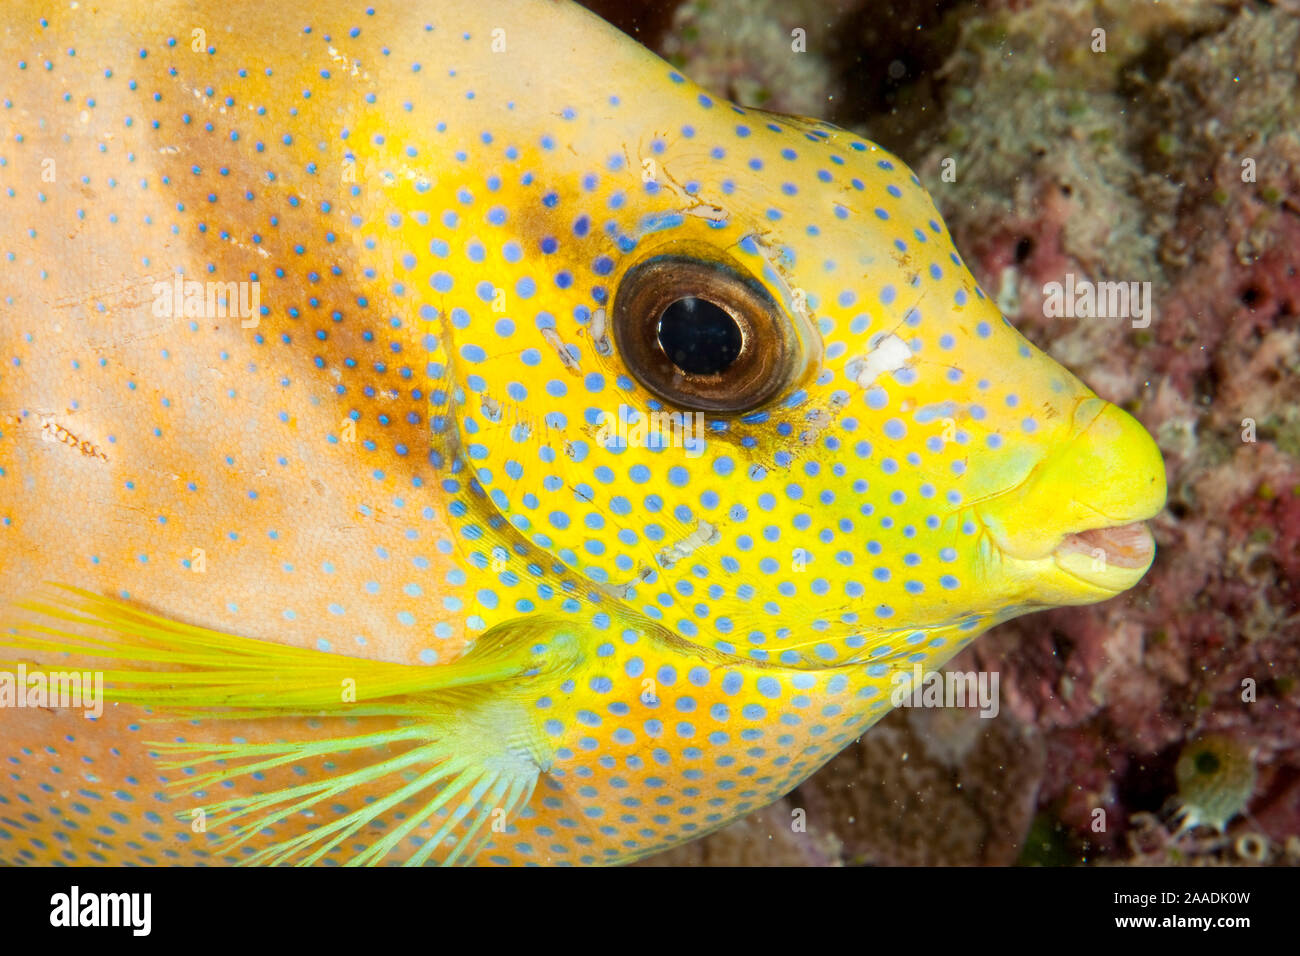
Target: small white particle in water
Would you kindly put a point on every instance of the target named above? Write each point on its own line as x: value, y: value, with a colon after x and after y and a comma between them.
x: 1008, y: 297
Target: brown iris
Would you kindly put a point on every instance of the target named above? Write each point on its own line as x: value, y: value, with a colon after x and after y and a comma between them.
x: 703, y: 335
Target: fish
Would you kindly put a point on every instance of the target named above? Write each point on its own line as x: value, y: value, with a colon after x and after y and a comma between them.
x: 441, y: 433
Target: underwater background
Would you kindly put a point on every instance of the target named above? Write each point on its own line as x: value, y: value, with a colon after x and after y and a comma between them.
x: 1125, y: 141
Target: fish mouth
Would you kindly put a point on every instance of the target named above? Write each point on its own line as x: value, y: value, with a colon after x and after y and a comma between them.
x: 1111, y: 558
x: 1076, y: 526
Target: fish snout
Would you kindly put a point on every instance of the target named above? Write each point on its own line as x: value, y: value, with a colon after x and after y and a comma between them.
x: 1083, y: 507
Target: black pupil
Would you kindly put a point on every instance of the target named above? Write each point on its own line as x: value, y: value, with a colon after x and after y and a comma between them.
x: 1207, y: 763
x: 699, y: 337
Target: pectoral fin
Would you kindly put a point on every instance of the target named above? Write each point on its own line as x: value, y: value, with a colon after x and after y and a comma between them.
x: 458, y: 741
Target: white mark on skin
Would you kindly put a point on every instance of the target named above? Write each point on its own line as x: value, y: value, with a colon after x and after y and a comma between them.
x: 353, y: 65
x: 713, y: 214
x: 891, y: 354
x: 704, y: 534
x: 625, y: 592
x: 52, y: 431
x: 552, y: 338
x: 600, y: 332
x: 819, y: 419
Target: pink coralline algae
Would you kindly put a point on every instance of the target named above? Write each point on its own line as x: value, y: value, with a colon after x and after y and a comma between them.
x: 1208, y: 149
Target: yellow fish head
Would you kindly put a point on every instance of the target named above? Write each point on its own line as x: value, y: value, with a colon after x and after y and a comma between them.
x: 732, y: 374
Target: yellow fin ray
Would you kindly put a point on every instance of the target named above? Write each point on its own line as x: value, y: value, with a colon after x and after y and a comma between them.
x: 209, y: 668
x: 471, y: 771
x: 332, y: 834
x: 462, y: 729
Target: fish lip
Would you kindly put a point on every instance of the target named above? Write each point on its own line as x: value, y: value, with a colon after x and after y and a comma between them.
x: 1128, y: 545
x: 1111, y: 558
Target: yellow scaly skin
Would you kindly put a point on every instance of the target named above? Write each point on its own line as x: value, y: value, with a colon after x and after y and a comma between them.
x: 403, y: 458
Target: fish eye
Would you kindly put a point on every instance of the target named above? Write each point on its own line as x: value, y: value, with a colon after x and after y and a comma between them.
x: 699, y: 336
x: 702, y: 334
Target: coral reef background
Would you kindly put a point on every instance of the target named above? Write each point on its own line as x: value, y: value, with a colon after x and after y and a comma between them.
x: 1170, y: 155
